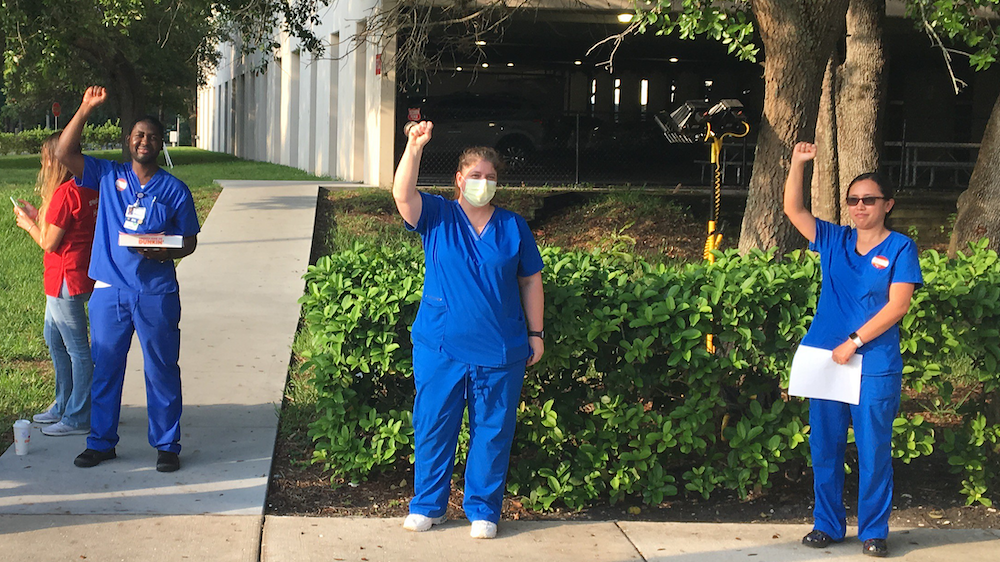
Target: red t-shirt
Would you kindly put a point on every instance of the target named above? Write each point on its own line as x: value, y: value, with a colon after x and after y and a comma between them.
x: 73, y: 209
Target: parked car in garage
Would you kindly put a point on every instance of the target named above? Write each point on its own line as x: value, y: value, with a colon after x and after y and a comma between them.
x: 512, y: 125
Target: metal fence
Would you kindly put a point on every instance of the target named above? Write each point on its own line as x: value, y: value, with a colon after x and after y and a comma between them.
x: 572, y: 149
x: 618, y: 150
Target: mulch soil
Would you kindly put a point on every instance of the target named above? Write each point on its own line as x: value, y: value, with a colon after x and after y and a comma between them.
x: 926, y: 493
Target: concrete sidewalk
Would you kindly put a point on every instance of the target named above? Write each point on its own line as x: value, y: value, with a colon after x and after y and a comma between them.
x: 243, y: 538
x: 239, y: 294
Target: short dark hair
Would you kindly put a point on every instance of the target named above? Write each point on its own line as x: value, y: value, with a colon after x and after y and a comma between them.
x: 883, y: 184
x: 152, y: 121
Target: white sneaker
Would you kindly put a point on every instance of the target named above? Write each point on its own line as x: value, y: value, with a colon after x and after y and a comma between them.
x: 45, y: 417
x: 483, y: 530
x: 420, y: 523
x: 60, y: 429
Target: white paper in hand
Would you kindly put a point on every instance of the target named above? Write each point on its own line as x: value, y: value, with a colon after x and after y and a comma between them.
x: 815, y: 375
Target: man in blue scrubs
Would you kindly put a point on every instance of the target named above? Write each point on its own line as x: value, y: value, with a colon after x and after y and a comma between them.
x: 136, y: 289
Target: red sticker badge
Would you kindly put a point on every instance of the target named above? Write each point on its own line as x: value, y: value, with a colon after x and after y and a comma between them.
x: 121, y: 184
x: 880, y: 262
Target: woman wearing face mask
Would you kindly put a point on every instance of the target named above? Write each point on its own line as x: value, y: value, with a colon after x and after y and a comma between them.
x: 479, y: 325
x: 869, y: 275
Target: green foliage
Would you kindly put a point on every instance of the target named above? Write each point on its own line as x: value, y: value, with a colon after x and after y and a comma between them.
x: 969, y: 22
x: 969, y: 453
x: 627, y: 402
x: 148, y: 53
x: 30, y: 141
x: 726, y: 22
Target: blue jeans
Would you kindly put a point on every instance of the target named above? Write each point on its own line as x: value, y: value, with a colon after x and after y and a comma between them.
x: 67, y: 336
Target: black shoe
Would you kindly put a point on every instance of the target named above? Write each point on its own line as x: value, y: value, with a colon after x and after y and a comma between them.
x: 93, y: 457
x: 167, y: 461
x: 817, y: 539
x: 875, y: 547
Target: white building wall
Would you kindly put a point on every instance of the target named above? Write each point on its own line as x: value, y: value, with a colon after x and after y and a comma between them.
x: 273, y: 103
x: 307, y: 113
x: 288, y: 112
x: 327, y: 75
x: 330, y: 115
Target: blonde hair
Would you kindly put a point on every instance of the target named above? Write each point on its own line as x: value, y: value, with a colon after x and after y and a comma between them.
x: 50, y: 176
x: 471, y: 156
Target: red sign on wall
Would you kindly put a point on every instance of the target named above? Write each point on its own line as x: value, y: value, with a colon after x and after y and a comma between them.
x: 378, y: 65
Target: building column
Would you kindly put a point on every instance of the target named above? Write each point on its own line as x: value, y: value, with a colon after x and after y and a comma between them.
x: 327, y: 76
x: 289, y: 105
x: 360, y: 106
x: 384, y: 131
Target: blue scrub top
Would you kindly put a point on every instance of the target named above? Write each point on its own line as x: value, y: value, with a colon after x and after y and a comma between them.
x: 169, y: 210
x: 471, y: 306
x: 855, y: 288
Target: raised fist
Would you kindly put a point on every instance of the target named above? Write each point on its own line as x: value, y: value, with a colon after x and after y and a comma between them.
x: 419, y: 133
x: 94, y: 96
x: 803, y: 152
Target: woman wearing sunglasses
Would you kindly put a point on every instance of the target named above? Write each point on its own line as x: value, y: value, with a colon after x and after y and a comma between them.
x: 869, y: 275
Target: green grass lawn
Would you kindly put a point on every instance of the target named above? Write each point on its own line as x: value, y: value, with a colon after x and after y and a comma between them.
x: 26, y: 384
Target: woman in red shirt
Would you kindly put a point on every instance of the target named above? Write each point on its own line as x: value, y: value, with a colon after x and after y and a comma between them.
x: 64, y: 228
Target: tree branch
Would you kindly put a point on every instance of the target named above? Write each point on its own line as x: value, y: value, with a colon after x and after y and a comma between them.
x: 956, y: 82
x: 617, y: 40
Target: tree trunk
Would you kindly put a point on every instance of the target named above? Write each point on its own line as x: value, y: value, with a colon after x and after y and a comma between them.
x: 797, y: 38
x: 979, y: 205
x: 126, y: 88
x: 826, y: 173
x: 849, y: 130
x: 860, y: 91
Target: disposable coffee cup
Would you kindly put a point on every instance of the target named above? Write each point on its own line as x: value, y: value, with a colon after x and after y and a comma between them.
x: 22, y: 436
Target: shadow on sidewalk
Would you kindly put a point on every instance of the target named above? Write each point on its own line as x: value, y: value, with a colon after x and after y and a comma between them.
x: 225, y: 463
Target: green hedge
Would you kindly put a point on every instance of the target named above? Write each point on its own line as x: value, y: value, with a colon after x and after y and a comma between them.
x: 30, y: 141
x: 626, y: 401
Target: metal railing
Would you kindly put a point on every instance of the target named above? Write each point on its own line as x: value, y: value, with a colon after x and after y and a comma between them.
x: 608, y: 150
x: 930, y: 164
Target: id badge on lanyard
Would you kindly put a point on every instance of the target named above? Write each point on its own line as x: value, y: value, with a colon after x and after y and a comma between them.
x: 135, y: 213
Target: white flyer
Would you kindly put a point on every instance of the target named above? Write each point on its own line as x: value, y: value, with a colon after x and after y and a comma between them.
x: 815, y: 375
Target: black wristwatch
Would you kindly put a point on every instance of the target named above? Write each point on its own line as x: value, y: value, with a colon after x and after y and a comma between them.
x: 854, y: 337
x: 537, y: 334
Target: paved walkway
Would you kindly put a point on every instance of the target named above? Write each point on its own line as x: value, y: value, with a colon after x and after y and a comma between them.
x: 239, y: 294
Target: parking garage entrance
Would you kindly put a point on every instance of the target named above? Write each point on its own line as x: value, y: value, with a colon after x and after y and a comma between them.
x: 560, y: 117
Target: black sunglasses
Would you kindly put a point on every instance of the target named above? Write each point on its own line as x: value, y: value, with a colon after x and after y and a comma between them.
x: 868, y: 200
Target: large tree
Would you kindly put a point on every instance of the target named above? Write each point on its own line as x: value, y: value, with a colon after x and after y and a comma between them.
x: 797, y: 39
x: 849, y: 129
x: 971, y: 24
x: 150, y: 54
x: 979, y: 206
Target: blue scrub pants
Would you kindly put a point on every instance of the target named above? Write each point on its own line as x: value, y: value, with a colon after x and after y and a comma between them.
x: 872, y: 420
x: 444, y: 387
x: 114, y: 315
